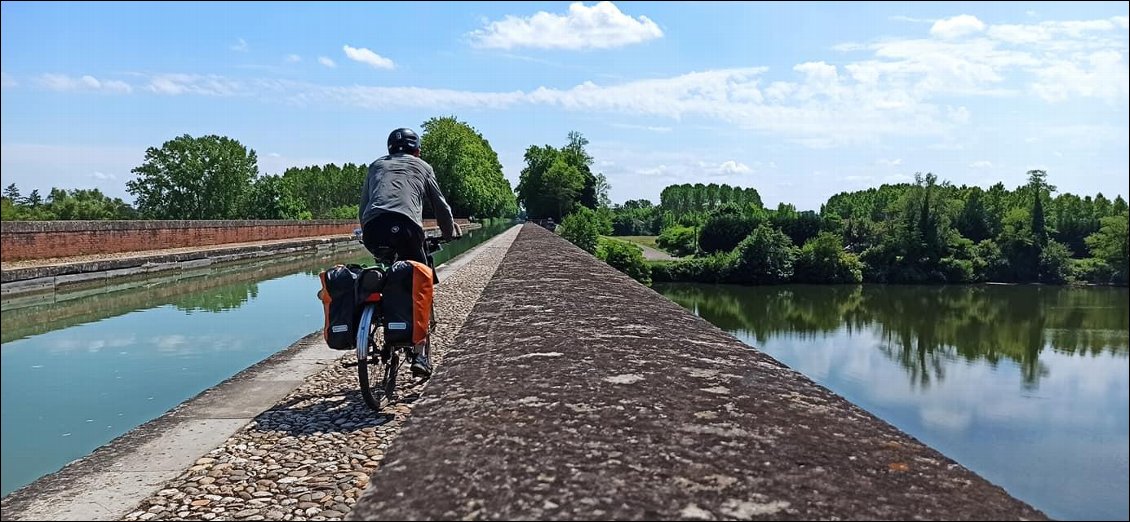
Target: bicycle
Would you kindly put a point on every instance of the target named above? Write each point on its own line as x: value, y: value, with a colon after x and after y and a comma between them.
x: 376, y: 356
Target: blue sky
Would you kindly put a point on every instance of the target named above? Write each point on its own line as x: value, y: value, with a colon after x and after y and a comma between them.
x: 798, y: 100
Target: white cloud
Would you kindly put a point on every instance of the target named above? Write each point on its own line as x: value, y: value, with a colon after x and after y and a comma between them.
x: 6, y: 80
x: 1122, y: 21
x: 890, y: 162
x: 100, y: 175
x: 293, y: 58
x: 366, y: 56
x: 652, y: 128
x: 326, y: 61
x: 1102, y: 74
x: 957, y: 26
x: 65, y: 83
x: 210, y: 85
x: 981, y: 164
x: 904, y: 18
x: 734, y: 167
x: 601, y: 26
x: 1050, y: 33
x: 240, y: 46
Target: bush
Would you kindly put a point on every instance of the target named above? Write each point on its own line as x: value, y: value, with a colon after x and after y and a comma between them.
x: 626, y: 258
x: 582, y: 228
x: 677, y: 240
x: 956, y: 270
x: 710, y: 269
x: 765, y: 257
x: 1054, y: 263
x: 989, y: 263
x: 823, y: 260
x: 1091, y: 270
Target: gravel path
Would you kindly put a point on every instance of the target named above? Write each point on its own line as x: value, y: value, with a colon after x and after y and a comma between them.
x: 310, y: 456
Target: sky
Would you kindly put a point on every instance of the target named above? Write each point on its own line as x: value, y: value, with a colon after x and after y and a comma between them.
x: 798, y: 100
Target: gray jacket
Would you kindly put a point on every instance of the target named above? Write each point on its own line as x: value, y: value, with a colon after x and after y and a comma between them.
x: 399, y: 183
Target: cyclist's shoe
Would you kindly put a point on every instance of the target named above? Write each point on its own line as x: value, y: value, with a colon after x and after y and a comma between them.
x: 421, y: 367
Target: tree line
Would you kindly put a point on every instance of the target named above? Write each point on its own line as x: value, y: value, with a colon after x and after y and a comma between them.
x: 217, y: 177
x: 928, y: 231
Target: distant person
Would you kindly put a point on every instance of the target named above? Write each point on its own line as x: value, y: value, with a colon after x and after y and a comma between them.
x: 392, y: 207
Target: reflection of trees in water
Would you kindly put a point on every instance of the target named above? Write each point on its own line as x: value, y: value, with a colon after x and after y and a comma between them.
x: 922, y: 327
x: 218, y: 300
x: 212, y: 289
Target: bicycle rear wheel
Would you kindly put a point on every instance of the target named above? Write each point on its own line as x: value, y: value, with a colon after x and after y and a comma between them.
x: 372, y: 368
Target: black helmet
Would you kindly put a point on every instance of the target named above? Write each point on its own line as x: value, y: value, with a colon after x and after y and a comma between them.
x: 403, y: 140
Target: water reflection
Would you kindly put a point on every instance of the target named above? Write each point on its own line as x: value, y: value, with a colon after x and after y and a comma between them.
x: 923, y: 326
x: 1028, y: 386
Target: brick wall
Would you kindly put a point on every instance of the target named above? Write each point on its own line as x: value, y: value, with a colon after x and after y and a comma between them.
x: 21, y: 240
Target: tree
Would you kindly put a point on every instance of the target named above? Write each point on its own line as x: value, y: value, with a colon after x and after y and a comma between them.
x: 574, y: 154
x: 268, y: 199
x: 973, y: 222
x: 1037, y: 181
x: 12, y: 194
x: 194, y: 178
x: 467, y: 169
x: 823, y: 260
x: 765, y: 257
x: 1110, y: 244
x: 87, y: 204
x: 581, y: 228
x: 563, y: 183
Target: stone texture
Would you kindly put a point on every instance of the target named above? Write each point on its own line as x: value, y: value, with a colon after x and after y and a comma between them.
x: 573, y: 392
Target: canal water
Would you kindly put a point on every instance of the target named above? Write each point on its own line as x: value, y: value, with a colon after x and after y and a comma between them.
x: 1026, y: 385
x: 85, y: 368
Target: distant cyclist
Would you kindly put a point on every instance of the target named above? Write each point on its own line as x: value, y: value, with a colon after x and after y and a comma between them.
x: 392, y: 207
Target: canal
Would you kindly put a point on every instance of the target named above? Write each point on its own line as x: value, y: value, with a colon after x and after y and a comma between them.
x: 84, y: 368
x: 1026, y: 385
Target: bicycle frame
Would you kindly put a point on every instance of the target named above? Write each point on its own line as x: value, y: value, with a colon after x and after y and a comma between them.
x: 385, y: 358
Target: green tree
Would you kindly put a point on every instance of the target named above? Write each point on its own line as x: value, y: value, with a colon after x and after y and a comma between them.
x: 87, y: 204
x: 12, y: 193
x: 1110, y: 245
x: 467, y: 169
x: 582, y: 229
x: 725, y: 228
x: 268, y: 199
x: 823, y: 260
x: 1038, y: 183
x: 194, y: 178
x: 765, y: 257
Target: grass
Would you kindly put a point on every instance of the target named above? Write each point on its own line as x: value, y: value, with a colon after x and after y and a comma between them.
x: 648, y: 241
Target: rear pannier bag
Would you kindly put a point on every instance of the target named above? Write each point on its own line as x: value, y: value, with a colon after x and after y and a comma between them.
x: 342, y: 309
x: 407, y: 303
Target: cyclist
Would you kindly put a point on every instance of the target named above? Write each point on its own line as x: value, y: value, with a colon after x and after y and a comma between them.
x: 392, y: 204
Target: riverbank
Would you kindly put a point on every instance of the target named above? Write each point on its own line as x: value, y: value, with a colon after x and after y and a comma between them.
x: 270, y: 451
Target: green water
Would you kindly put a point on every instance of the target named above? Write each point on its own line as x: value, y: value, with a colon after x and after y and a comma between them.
x: 1028, y: 386
x: 84, y: 368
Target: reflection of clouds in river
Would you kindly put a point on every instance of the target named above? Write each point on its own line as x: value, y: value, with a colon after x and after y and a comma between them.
x: 182, y: 344
x: 946, y: 418
x: 170, y: 343
x: 65, y: 344
x: 968, y: 393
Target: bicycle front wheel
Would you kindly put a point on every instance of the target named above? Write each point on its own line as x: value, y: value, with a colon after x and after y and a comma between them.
x: 372, y: 369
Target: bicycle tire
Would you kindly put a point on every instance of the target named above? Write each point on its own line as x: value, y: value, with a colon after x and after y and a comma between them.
x: 371, y: 369
x: 390, y: 371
